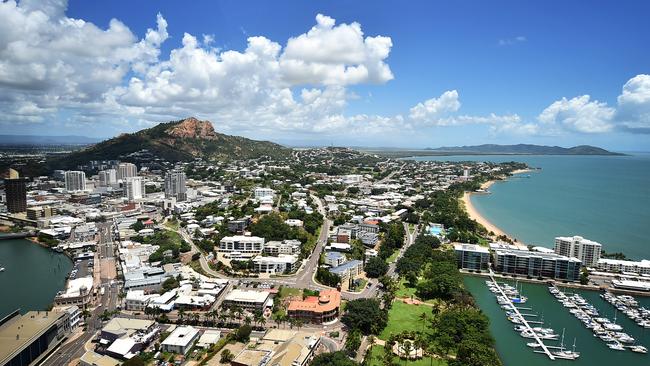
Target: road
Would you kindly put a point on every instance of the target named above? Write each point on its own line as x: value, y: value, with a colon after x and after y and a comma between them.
x: 109, y: 301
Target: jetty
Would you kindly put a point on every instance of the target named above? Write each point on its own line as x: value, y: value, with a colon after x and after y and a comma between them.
x: 544, y: 348
x: 16, y: 235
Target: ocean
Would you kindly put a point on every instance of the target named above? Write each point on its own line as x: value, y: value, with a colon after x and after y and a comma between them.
x: 602, y: 198
x: 32, y: 276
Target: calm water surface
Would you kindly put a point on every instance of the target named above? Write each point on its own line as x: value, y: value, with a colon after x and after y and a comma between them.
x: 603, y: 198
x: 32, y: 276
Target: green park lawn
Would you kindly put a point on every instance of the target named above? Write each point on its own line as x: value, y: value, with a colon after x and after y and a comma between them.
x: 403, y: 317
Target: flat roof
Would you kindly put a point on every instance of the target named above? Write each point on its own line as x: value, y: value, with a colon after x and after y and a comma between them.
x: 181, y: 336
x: 20, y: 331
x: 470, y: 248
x: 247, y: 296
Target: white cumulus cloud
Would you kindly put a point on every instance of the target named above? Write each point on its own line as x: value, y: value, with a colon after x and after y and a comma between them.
x: 579, y: 114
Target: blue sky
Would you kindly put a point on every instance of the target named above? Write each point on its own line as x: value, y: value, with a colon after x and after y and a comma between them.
x: 509, y: 65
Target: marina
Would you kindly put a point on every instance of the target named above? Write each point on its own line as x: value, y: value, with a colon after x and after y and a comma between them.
x: 514, y: 349
x: 609, y: 332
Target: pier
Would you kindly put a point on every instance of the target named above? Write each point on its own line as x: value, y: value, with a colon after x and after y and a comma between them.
x: 539, y: 341
x: 16, y: 236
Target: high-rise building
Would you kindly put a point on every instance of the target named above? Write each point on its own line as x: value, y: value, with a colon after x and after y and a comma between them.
x: 175, y: 185
x: 107, y: 177
x: 75, y: 180
x: 126, y: 170
x: 134, y: 188
x: 587, y: 251
x: 16, y: 192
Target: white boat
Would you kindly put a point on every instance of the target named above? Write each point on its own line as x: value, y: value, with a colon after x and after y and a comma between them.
x: 2, y: 269
x: 616, y: 346
x: 533, y: 345
x: 638, y: 349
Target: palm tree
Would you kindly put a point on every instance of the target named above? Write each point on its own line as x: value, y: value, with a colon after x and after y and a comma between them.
x: 248, y: 320
x: 262, y: 321
x: 299, y: 323
x: 181, y: 314
x: 423, y: 318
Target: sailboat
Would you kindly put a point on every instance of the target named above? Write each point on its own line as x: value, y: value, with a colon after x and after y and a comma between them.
x: 566, y: 354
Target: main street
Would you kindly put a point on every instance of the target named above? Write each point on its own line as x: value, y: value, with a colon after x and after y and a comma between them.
x: 74, y: 348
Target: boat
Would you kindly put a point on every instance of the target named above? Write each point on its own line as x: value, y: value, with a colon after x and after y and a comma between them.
x: 2, y: 269
x: 616, y: 346
x: 638, y: 349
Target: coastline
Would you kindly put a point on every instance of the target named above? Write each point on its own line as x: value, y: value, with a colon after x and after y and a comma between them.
x: 473, y: 213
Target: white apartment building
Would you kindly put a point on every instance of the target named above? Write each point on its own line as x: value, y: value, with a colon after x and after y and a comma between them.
x: 134, y: 188
x: 126, y: 170
x: 107, y: 177
x: 175, y: 186
x: 261, y: 192
x: 289, y: 247
x: 283, y: 263
x: 620, y: 266
x: 75, y: 181
x: 587, y: 251
x: 240, y: 246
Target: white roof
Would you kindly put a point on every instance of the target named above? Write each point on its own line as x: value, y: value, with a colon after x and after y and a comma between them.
x: 247, y: 296
x: 75, y: 286
x: 121, y: 346
x: 471, y: 248
x: 209, y: 337
x: 181, y: 336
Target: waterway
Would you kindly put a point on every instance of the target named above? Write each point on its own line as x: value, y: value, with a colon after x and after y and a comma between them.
x: 32, y: 276
x: 512, y: 347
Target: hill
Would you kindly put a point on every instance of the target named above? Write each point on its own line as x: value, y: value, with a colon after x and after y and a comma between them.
x: 522, y: 149
x: 182, y: 140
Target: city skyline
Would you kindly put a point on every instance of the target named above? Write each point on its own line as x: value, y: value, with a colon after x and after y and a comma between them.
x: 426, y: 75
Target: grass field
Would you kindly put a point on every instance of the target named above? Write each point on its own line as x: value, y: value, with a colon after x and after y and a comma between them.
x: 403, y: 317
x: 289, y: 291
x: 404, y: 291
x: 393, y: 257
x: 377, y: 352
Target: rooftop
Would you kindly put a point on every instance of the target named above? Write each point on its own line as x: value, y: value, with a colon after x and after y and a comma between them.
x: 19, y: 331
x: 181, y: 336
x: 239, y: 295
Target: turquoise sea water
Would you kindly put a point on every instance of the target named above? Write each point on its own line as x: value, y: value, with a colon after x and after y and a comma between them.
x: 512, y: 347
x: 602, y: 198
x: 32, y: 276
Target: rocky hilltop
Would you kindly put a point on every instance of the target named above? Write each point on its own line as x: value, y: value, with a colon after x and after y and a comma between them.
x: 182, y: 140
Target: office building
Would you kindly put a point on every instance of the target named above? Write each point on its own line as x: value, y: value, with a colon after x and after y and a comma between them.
x: 107, y: 177
x: 250, y: 300
x: 283, y: 263
x: 126, y: 170
x: 180, y: 340
x: 175, y: 185
x: 26, y: 339
x: 472, y: 256
x: 319, y: 309
x: 240, y: 246
x: 75, y: 181
x: 16, y: 192
x: 536, y: 264
x: 587, y: 251
x: 134, y: 188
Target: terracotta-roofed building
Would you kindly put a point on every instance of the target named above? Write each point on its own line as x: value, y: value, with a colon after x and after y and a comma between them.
x: 317, y: 309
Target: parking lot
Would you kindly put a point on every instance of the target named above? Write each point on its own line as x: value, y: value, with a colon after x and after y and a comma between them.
x: 82, y: 268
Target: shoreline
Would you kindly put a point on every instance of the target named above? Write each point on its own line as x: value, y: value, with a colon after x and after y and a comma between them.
x: 473, y: 213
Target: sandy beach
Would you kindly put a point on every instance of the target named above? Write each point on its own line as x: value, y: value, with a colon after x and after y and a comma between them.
x: 475, y: 215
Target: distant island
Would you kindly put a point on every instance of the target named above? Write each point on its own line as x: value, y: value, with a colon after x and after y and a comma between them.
x: 493, y: 149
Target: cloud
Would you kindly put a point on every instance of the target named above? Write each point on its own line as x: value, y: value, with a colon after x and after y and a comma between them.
x: 72, y: 72
x: 579, y: 114
x: 633, y: 111
x: 512, y: 41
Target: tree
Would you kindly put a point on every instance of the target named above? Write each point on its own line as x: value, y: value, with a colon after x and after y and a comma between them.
x: 243, y: 333
x: 137, y: 226
x: 333, y: 359
x: 134, y: 361
x: 376, y: 267
x: 226, y: 356
x: 473, y: 353
x: 584, y: 277
x: 365, y: 315
x: 353, y: 342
